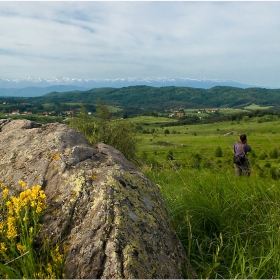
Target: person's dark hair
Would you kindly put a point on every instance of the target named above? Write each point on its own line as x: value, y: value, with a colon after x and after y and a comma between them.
x: 243, y: 137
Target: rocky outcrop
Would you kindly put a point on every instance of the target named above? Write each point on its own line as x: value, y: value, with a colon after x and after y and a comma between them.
x: 110, y: 216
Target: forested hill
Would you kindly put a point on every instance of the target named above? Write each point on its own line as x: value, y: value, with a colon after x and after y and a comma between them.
x: 170, y: 97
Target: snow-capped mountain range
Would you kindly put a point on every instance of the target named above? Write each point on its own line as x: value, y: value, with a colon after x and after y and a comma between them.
x: 119, y: 82
x: 32, y: 86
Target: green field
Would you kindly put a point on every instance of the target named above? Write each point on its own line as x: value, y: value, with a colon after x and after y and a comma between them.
x: 228, y: 225
x: 256, y: 107
x: 204, y: 139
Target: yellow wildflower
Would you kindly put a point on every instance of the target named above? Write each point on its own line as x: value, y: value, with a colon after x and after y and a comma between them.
x: 11, y: 231
x: 50, y: 271
x: 56, y: 256
x: 9, y: 204
x: 49, y: 268
x: 3, y: 247
x: 17, y: 204
x: 40, y: 207
x: 21, y: 248
x: 42, y: 195
x: 5, y: 193
x: 23, y: 184
x: 2, y: 185
x: 2, y: 226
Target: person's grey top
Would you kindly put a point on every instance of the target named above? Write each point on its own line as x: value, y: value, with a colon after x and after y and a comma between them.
x: 241, y: 149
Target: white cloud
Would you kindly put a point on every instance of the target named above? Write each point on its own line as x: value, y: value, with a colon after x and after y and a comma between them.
x: 224, y: 40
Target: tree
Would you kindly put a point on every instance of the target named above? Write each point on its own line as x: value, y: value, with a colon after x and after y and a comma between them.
x: 123, y: 138
x: 103, y: 122
x: 246, y: 119
x: 117, y: 133
x: 85, y: 124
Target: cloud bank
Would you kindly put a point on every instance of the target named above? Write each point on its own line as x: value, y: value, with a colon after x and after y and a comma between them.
x: 220, y: 40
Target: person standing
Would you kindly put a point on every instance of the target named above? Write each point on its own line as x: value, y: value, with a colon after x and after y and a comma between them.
x: 241, y: 162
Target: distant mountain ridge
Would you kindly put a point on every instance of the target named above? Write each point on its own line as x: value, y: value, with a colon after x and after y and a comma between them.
x: 31, y: 87
x: 156, y: 98
x: 33, y: 91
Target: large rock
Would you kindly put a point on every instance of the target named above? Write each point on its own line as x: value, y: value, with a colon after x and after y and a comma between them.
x: 110, y: 216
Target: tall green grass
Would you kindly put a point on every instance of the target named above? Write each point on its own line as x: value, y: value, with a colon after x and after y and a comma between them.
x: 229, y: 226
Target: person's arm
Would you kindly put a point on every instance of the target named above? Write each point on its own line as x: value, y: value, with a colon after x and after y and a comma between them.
x: 247, y: 147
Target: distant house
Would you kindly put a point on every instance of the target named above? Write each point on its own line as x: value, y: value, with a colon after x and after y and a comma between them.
x: 212, y: 110
x: 26, y: 113
x: 179, y: 115
x: 15, y: 112
x: 70, y: 112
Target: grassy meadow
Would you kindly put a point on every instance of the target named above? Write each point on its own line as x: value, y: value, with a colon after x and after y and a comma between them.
x: 228, y: 225
x: 263, y: 136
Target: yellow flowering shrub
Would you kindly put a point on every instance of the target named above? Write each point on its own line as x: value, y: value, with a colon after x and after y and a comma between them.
x: 3, y: 247
x: 19, y: 227
x: 5, y: 193
x: 11, y: 228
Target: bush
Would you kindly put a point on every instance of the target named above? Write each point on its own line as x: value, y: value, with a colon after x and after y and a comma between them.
x: 267, y: 165
x: 195, y: 160
x: 123, y: 138
x: 119, y: 134
x: 84, y: 123
x: 218, y: 152
x: 273, y: 153
x: 166, y: 131
x: 169, y: 155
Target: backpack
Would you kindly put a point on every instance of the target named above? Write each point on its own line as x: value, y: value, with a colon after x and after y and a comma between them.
x: 239, y: 160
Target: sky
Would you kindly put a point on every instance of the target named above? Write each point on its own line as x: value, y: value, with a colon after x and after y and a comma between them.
x: 227, y: 40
